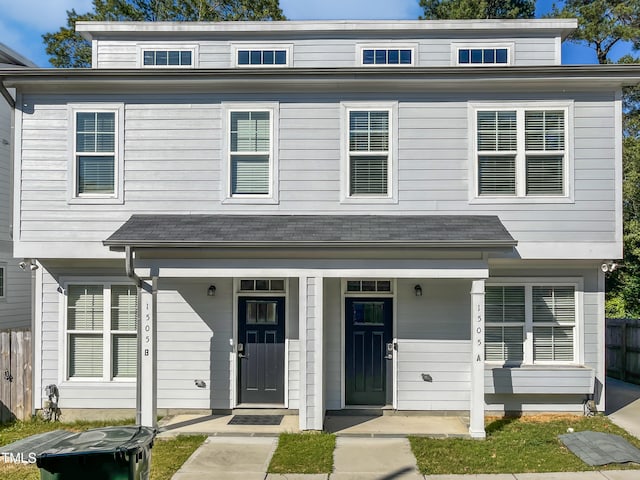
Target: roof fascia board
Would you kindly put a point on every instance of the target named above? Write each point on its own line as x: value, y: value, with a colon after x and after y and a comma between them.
x: 92, y: 30
x: 14, y: 57
x: 579, y: 76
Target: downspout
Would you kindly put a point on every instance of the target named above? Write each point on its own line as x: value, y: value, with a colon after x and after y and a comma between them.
x: 131, y: 273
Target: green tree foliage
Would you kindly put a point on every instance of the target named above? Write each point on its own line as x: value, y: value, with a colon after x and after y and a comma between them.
x: 469, y: 9
x: 67, y: 49
x: 602, y: 23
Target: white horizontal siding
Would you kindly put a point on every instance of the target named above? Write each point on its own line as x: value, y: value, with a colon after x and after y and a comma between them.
x: 173, y: 154
x: 337, y: 50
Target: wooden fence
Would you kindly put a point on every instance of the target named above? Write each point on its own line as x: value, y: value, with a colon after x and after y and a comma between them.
x: 16, y: 392
x: 623, y: 349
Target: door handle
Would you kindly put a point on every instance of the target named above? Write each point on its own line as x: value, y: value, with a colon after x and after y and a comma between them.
x: 241, y: 351
x: 389, y: 355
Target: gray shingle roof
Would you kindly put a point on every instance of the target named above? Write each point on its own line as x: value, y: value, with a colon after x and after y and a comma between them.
x: 311, y: 230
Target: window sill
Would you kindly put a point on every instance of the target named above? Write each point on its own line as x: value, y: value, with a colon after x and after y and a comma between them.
x: 517, y: 200
x: 94, y: 382
x: 368, y: 200
x: 539, y: 379
x: 250, y: 201
x: 95, y: 201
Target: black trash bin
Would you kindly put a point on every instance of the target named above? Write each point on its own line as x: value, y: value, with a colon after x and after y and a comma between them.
x: 110, y: 453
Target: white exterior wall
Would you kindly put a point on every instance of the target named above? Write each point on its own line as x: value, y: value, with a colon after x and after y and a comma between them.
x: 173, y: 164
x: 329, y: 51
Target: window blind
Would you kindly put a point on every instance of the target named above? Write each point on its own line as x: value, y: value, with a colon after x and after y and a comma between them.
x: 95, y: 152
x: 85, y: 355
x: 85, y: 307
x: 124, y: 307
x: 496, y: 175
x: 368, y: 175
x: 504, y: 343
x: 368, y: 131
x: 553, y: 343
x: 504, y: 304
x: 553, y: 304
x: 250, y: 152
x: 544, y: 130
x: 545, y: 175
x: 125, y: 352
x: 497, y: 131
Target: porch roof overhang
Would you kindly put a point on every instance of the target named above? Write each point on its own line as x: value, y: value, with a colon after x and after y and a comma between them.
x: 477, y: 232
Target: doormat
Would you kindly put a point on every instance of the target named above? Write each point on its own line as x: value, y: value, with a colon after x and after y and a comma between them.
x: 256, y: 420
x: 595, y: 448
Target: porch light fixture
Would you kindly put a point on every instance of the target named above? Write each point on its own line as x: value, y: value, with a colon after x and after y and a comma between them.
x: 211, y: 291
x: 418, y: 290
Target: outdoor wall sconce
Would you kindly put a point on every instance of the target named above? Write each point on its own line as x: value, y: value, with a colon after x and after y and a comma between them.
x: 211, y: 291
x: 418, y: 290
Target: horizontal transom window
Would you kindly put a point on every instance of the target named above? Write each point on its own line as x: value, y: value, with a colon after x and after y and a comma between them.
x: 167, y: 58
x: 483, y: 56
x: 387, y: 56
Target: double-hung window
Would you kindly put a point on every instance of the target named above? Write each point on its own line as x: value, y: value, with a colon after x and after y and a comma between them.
x: 369, y: 153
x: 250, y: 149
x: 101, y: 331
x: 521, y: 152
x: 96, y: 157
x: 530, y: 323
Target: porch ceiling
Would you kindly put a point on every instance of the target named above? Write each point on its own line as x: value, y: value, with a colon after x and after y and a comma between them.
x: 392, y: 231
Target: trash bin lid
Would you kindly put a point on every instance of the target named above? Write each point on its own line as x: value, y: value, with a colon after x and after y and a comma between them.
x: 101, y: 440
x: 29, y: 447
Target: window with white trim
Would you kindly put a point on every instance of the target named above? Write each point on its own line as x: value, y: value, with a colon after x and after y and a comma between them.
x: 253, y: 57
x: 483, y: 56
x: 250, y: 153
x: 369, y: 152
x: 167, y: 58
x: 95, y: 143
x: 101, y: 331
x: 386, y: 56
x: 521, y: 152
x: 530, y: 323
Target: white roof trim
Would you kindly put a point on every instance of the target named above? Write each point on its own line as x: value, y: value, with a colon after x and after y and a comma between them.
x: 559, y: 26
x: 12, y: 57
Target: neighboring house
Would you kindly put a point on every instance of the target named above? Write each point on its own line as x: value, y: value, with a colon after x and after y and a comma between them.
x: 321, y: 216
x: 15, y: 284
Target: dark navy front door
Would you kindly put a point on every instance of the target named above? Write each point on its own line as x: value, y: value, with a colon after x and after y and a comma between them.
x: 261, y: 349
x: 368, y: 331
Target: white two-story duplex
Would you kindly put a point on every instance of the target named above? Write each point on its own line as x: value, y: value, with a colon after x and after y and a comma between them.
x: 319, y: 216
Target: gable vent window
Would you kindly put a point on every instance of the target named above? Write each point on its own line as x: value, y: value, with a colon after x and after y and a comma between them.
x: 262, y: 57
x: 483, y: 56
x: 387, y: 56
x: 167, y: 58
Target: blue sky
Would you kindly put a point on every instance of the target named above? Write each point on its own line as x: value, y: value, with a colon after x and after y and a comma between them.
x: 22, y: 22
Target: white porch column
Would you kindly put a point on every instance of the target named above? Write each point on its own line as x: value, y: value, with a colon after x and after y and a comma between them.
x: 476, y: 410
x: 146, y: 392
x: 311, y: 407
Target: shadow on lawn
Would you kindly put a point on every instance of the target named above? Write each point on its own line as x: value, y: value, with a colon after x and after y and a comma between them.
x: 500, y: 423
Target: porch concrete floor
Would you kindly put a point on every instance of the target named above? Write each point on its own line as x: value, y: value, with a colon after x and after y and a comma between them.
x: 342, y: 425
x: 214, y: 425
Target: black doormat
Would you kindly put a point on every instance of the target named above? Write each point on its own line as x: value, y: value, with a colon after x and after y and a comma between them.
x: 256, y: 420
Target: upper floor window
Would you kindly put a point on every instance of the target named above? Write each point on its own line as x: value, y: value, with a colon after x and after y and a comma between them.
x: 251, y: 155
x: 521, y: 152
x: 386, y: 55
x: 474, y: 54
x: 262, y: 55
x: 167, y: 58
x: 369, y: 152
x: 530, y: 323
x: 101, y: 331
x: 96, y: 152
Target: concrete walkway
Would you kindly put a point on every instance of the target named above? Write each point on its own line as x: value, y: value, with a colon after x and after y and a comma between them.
x: 361, y: 458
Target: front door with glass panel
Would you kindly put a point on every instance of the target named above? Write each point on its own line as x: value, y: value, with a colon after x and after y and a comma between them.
x: 261, y: 350
x: 368, y: 340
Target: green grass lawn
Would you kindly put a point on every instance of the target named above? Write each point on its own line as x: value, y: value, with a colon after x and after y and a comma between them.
x: 513, y: 445
x: 303, y: 453
x: 167, y: 456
